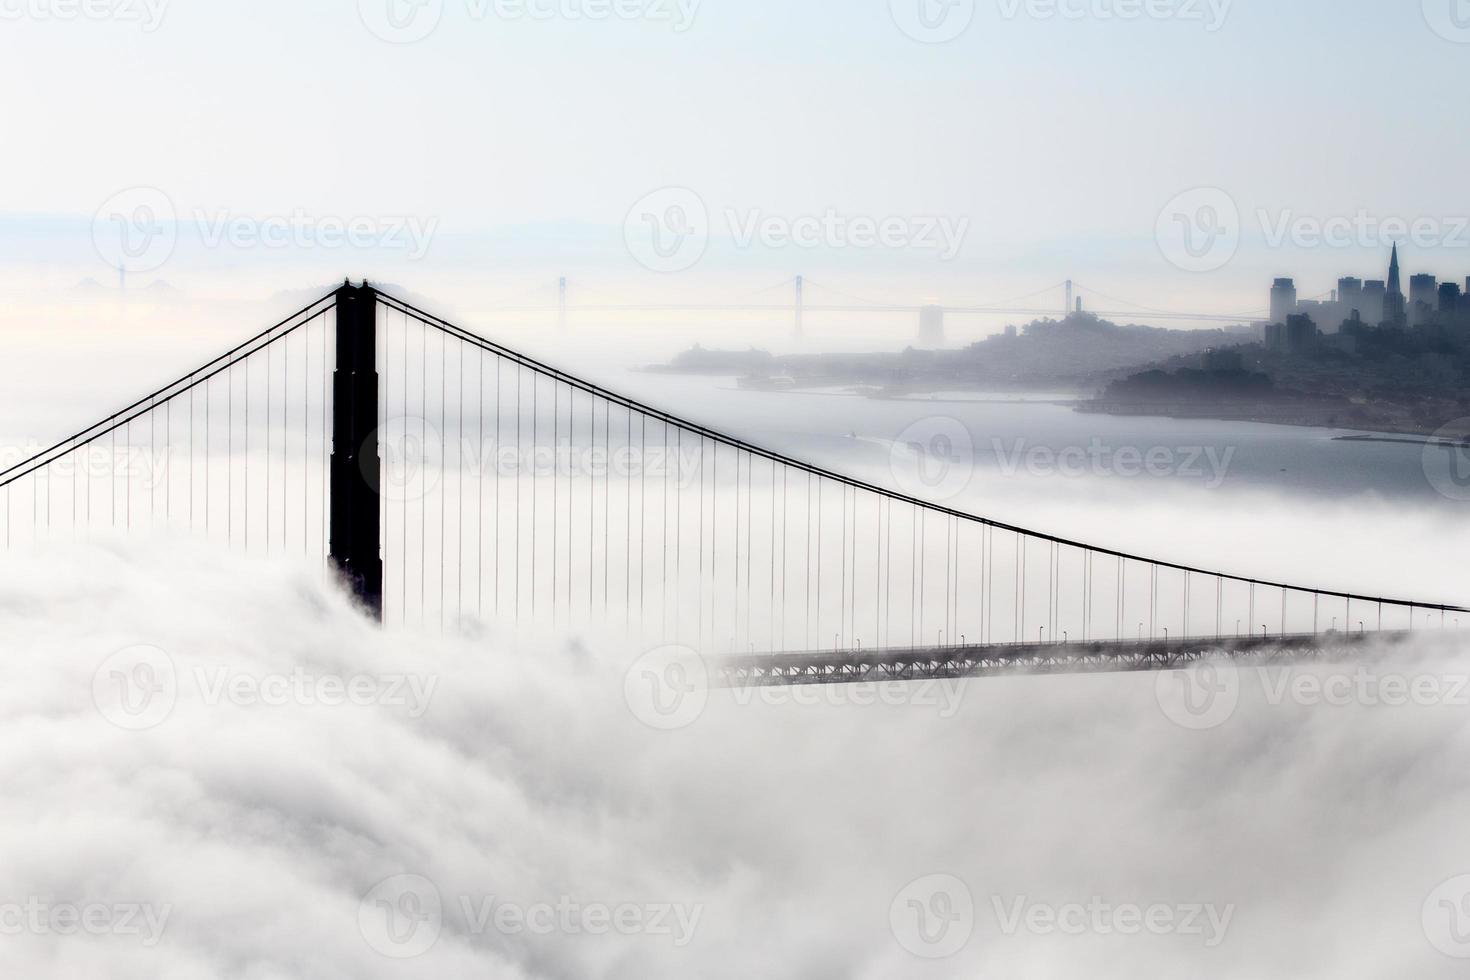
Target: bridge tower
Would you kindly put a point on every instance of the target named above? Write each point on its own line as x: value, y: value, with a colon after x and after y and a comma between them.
x: 800, y: 286
x: 1067, y: 311
x: 931, y: 325
x: 356, y: 466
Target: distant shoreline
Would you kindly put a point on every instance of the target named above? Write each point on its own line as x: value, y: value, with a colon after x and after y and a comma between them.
x: 1364, y: 431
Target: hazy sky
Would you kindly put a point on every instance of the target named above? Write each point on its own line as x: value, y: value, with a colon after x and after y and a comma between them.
x: 518, y: 143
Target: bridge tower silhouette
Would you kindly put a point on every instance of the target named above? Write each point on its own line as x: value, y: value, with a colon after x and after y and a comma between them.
x: 356, y: 466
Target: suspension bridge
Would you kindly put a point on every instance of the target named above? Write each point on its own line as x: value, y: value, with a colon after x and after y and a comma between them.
x: 448, y: 480
x: 930, y: 317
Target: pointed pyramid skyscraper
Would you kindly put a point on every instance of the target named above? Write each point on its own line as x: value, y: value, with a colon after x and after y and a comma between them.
x: 1393, y: 301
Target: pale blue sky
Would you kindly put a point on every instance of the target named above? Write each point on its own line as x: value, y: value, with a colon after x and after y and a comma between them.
x: 1059, y: 140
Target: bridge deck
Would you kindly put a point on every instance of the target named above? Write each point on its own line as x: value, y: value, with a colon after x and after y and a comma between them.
x: 923, y: 663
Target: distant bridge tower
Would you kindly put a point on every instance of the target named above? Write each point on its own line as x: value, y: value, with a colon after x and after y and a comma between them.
x: 800, y: 284
x: 931, y: 326
x: 561, y: 303
x: 1067, y: 310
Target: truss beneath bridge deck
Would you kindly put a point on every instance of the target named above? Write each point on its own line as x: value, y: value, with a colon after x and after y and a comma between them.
x: 927, y: 663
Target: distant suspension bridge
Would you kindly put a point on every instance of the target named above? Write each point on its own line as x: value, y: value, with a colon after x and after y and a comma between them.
x: 930, y: 317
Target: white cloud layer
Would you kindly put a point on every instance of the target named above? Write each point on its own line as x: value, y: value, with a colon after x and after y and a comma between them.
x: 768, y: 838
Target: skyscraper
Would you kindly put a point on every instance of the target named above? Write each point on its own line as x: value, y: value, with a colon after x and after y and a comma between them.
x: 1423, y: 298
x: 1374, y: 301
x: 1350, y: 295
x: 1283, y: 300
x: 1449, y: 298
x: 1393, y: 300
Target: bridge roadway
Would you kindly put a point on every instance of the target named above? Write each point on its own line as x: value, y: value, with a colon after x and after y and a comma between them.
x: 1012, y: 659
